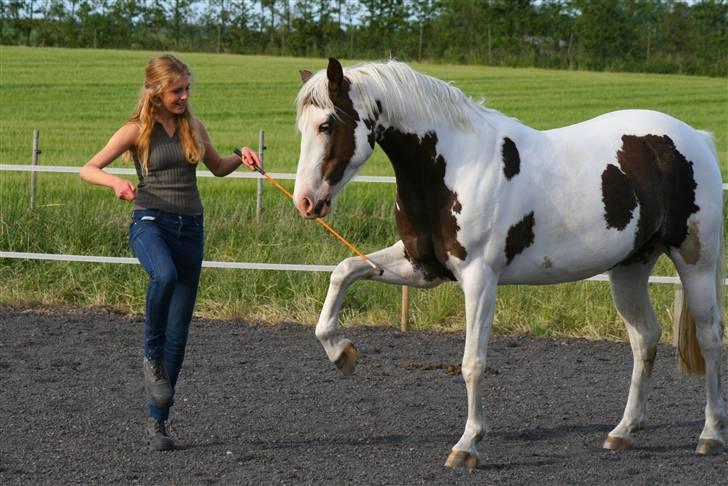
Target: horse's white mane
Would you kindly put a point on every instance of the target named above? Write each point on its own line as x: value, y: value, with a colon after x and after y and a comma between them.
x: 399, y: 88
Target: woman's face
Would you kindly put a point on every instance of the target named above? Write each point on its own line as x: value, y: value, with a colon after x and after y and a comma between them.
x: 174, y: 98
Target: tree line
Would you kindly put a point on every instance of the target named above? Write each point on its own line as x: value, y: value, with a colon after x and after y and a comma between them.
x: 665, y: 36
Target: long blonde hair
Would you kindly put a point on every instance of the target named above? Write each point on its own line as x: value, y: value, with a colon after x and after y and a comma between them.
x: 161, y: 73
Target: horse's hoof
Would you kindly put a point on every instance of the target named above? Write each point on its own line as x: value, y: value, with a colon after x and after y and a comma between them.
x: 347, y: 361
x: 709, y: 447
x: 616, y: 443
x: 460, y: 459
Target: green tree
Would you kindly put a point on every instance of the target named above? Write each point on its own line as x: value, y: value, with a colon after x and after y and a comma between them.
x: 383, y: 21
x: 709, y: 37
x: 603, y: 31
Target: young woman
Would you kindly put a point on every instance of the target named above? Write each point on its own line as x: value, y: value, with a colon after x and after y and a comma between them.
x: 166, y: 234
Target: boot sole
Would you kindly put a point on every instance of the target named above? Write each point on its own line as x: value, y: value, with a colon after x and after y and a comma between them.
x: 161, y: 447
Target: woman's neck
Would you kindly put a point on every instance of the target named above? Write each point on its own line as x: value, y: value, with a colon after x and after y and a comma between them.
x: 168, y: 122
x: 166, y: 119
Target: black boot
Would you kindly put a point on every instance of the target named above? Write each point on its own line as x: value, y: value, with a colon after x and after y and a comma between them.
x: 157, y: 437
x: 156, y: 384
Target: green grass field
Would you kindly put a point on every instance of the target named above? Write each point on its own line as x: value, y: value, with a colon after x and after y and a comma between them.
x: 78, y: 98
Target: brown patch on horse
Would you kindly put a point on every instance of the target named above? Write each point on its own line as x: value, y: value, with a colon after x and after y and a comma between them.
x: 341, y: 144
x: 520, y: 236
x: 511, y: 158
x: 425, y: 220
x: 371, y: 124
x: 547, y: 263
x: 618, y: 197
x: 690, y: 248
x: 663, y: 182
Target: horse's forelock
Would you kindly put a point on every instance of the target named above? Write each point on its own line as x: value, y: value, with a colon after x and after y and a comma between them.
x: 314, y: 92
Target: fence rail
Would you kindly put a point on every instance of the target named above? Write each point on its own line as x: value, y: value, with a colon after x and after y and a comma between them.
x: 200, y: 173
x: 131, y: 260
x: 294, y: 267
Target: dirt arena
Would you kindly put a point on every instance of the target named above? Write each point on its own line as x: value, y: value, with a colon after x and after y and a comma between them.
x: 261, y: 404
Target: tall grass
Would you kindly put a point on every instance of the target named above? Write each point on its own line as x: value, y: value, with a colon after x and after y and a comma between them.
x: 78, y: 98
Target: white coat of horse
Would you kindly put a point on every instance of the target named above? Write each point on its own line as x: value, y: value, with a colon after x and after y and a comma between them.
x: 485, y: 200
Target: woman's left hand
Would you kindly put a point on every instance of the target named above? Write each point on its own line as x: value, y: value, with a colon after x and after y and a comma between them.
x: 250, y: 159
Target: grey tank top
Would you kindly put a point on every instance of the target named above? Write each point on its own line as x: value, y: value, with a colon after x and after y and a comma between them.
x: 170, y: 183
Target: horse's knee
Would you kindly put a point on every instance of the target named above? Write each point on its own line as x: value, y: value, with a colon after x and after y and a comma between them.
x: 342, y: 272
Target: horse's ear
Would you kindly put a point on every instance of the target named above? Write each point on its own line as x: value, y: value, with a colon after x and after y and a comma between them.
x: 305, y: 74
x: 335, y: 73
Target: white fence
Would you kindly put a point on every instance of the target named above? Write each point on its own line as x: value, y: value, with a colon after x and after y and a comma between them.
x: 231, y: 265
x: 200, y: 173
x: 218, y: 264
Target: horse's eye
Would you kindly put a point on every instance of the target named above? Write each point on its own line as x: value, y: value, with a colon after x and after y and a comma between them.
x: 325, y: 127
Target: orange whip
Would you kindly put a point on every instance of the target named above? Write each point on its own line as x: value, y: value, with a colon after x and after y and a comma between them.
x: 318, y: 220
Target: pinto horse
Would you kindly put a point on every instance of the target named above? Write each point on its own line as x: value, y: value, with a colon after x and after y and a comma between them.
x: 486, y: 200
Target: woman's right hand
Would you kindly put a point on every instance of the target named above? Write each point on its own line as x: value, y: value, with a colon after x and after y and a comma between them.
x: 124, y: 189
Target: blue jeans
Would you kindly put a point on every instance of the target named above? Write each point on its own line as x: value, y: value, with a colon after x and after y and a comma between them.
x: 169, y: 247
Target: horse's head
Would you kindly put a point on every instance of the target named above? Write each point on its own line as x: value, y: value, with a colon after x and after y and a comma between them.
x: 336, y: 139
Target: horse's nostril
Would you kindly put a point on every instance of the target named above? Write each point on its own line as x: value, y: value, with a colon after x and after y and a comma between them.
x: 320, y: 206
x: 306, y: 205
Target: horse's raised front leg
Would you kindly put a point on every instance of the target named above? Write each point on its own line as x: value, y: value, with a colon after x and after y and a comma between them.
x: 479, y: 286
x: 396, y: 270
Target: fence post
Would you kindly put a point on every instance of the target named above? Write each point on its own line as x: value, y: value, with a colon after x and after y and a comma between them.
x: 677, y: 308
x: 404, y: 318
x: 34, y: 174
x: 259, y: 197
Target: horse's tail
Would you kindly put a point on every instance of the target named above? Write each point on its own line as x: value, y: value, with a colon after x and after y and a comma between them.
x: 690, y: 357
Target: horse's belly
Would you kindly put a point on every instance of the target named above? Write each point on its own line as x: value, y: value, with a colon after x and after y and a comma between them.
x: 545, y: 274
x: 569, y: 258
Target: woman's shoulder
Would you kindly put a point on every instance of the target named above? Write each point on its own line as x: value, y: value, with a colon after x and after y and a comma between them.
x: 199, y: 128
x: 197, y: 124
x: 127, y: 135
x: 130, y: 129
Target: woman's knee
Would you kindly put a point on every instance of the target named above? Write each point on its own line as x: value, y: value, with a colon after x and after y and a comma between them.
x: 165, y: 278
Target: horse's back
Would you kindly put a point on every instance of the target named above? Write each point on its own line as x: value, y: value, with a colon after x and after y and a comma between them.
x: 611, y: 133
x: 613, y: 126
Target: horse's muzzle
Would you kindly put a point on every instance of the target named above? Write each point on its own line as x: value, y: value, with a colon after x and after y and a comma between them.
x: 312, y: 210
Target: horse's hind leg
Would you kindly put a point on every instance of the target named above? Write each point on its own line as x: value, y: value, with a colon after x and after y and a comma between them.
x: 703, y: 307
x: 629, y: 291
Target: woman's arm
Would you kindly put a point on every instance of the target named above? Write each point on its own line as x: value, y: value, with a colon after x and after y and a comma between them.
x: 120, y: 142
x: 222, y: 166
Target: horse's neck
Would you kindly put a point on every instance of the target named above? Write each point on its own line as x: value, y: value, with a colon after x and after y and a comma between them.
x: 415, y: 142
x: 434, y: 165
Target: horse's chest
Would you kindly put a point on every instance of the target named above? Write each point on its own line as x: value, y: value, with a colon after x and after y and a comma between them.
x: 426, y: 207
x: 428, y: 230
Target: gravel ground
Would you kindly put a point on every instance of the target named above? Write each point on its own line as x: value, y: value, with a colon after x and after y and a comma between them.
x: 261, y: 404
